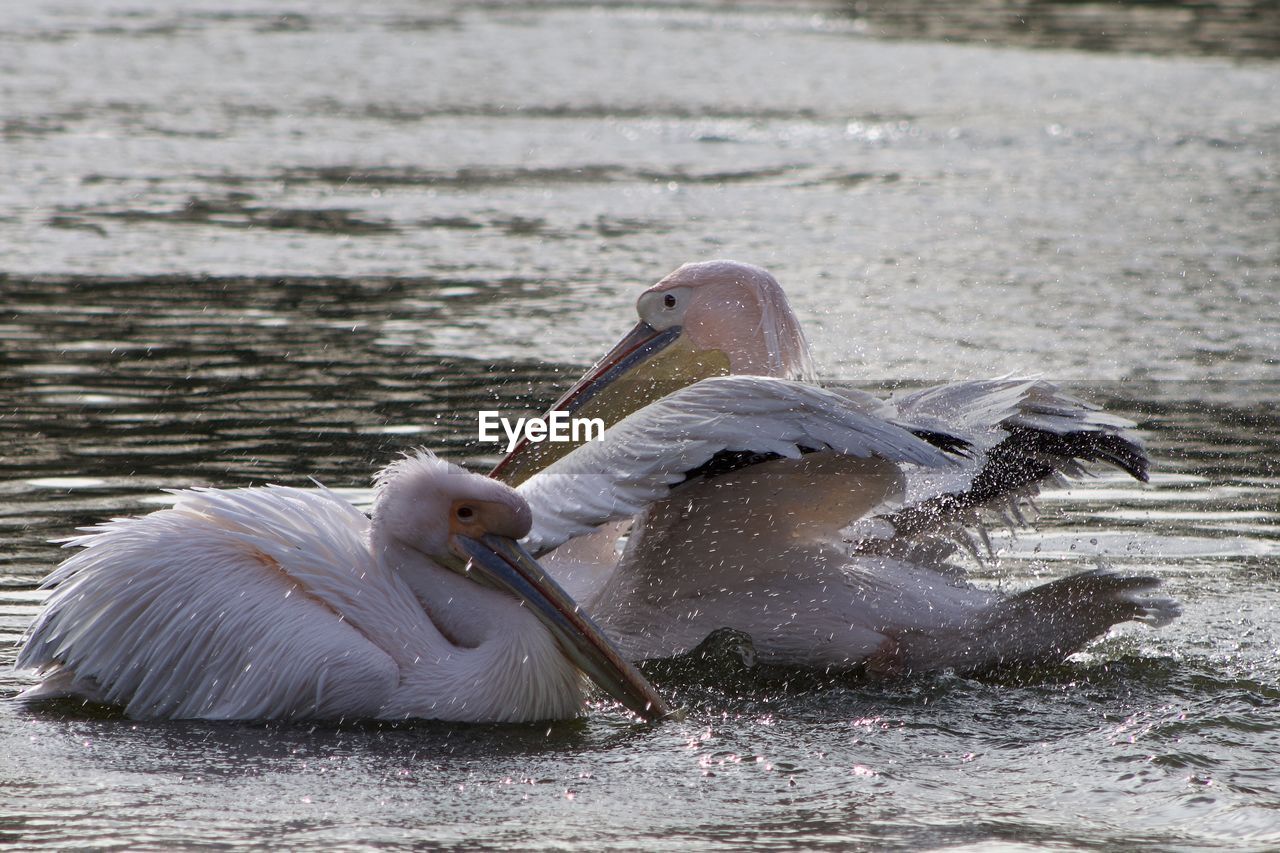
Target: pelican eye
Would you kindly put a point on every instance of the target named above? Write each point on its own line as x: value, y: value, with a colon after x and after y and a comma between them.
x: 669, y: 300
x: 465, y: 513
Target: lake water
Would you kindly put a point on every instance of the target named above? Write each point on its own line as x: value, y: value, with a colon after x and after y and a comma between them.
x: 245, y: 242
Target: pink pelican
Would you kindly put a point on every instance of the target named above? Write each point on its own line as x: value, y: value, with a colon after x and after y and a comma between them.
x: 823, y: 558
x: 266, y: 603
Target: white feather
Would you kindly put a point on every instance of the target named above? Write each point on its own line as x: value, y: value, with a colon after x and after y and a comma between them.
x: 640, y: 458
x: 272, y: 603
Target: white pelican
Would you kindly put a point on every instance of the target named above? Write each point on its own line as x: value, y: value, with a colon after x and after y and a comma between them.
x: 725, y: 540
x: 264, y: 603
x: 720, y: 318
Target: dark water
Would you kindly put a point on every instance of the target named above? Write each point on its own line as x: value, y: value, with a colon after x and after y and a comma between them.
x: 244, y: 244
x: 1248, y: 28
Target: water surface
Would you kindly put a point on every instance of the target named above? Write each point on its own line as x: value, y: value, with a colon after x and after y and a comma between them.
x: 244, y: 244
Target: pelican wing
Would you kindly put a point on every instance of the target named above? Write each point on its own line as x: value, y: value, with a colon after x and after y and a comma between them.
x: 1022, y: 433
x: 687, y: 434
x: 1025, y: 431
x: 242, y: 603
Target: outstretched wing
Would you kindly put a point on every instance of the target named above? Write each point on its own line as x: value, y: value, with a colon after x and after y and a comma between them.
x: 231, y: 604
x: 705, y: 429
x: 1023, y: 434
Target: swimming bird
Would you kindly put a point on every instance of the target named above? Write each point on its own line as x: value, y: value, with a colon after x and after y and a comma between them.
x: 743, y: 490
x: 723, y: 318
x: 719, y: 318
x: 275, y: 602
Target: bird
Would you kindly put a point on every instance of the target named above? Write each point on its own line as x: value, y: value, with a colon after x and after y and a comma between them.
x: 277, y: 602
x: 725, y: 318
x: 743, y: 490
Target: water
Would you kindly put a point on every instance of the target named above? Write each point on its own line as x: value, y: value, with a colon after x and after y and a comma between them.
x: 245, y: 244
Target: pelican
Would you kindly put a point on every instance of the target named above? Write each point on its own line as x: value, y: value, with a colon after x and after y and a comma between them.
x: 723, y: 318
x: 743, y: 489
x: 720, y: 318
x: 285, y: 603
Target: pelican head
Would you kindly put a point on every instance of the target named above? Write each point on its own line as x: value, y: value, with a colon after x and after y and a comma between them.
x: 412, y: 494
x: 478, y: 541
x: 712, y: 318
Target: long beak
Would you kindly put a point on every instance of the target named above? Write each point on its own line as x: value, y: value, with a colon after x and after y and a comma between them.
x: 502, y: 563
x: 644, y: 366
x: 638, y: 346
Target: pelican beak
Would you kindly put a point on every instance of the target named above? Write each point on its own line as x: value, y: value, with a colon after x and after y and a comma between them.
x: 502, y: 563
x: 639, y: 347
x: 643, y: 367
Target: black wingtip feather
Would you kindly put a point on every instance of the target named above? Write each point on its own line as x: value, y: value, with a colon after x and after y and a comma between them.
x: 1089, y: 446
x: 944, y: 441
x: 727, y: 461
x: 1026, y: 456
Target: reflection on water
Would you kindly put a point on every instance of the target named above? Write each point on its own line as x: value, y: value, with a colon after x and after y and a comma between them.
x: 1244, y: 28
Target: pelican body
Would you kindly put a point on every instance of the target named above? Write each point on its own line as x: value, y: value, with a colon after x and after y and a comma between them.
x: 284, y: 603
x: 825, y: 557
